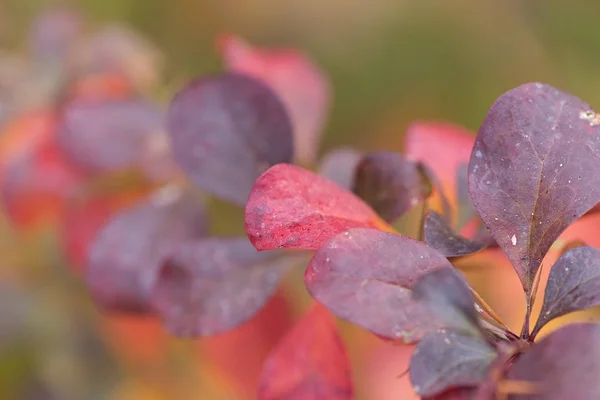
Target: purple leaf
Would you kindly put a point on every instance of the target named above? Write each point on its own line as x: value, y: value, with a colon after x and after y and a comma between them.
x: 390, y: 184
x: 448, y: 295
x: 339, y: 165
x: 573, y: 284
x: 366, y: 276
x: 108, y: 135
x: 124, y: 257
x: 439, y: 235
x: 533, y: 171
x: 445, y: 360
x: 212, y: 285
x: 563, y: 365
x: 226, y: 131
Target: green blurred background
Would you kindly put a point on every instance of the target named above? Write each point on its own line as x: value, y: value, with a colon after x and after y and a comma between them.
x: 390, y: 62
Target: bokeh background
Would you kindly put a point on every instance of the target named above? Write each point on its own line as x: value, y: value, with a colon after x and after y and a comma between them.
x: 390, y: 62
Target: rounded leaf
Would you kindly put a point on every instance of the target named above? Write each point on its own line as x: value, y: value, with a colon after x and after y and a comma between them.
x: 533, y: 171
x: 291, y: 207
x: 300, y: 84
x: 127, y: 252
x: 226, y: 130
x: 441, y: 146
x: 573, y: 285
x: 366, y: 276
x: 107, y: 135
x: 563, y: 365
x: 212, y: 285
x: 445, y: 360
x: 391, y: 184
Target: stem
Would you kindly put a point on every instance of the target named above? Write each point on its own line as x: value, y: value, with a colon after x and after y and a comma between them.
x: 525, y: 330
x: 421, y: 234
x: 530, y: 296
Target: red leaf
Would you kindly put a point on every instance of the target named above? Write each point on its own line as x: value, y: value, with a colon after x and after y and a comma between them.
x: 303, y: 88
x: 442, y: 147
x: 290, y: 207
x: 35, y: 177
x: 309, y: 363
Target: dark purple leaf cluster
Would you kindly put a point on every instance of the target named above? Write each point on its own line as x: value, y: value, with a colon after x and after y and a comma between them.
x: 158, y: 256
x: 533, y: 171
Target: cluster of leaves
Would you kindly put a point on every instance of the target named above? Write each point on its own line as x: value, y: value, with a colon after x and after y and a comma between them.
x: 532, y: 172
x: 120, y: 174
x: 248, y: 136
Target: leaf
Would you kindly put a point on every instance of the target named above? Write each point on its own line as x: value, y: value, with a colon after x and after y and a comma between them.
x: 290, y: 207
x: 573, y: 284
x: 209, y: 286
x: 338, y: 166
x: 366, y: 276
x: 108, y: 135
x: 302, y: 86
x: 226, y: 130
x: 125, y: 256
x: 390, y: 184
x: 447, y: 294
x: 309, y: 363
x: 36, y: 178
x: 532, y: 171
x: 439, y: 235
x: 563, y: 365
x: 445, y: 360
x: 441, y: 146
x: 84, y: 215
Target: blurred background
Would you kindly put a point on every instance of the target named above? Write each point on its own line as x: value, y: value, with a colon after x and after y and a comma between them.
x: 390, y: 62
